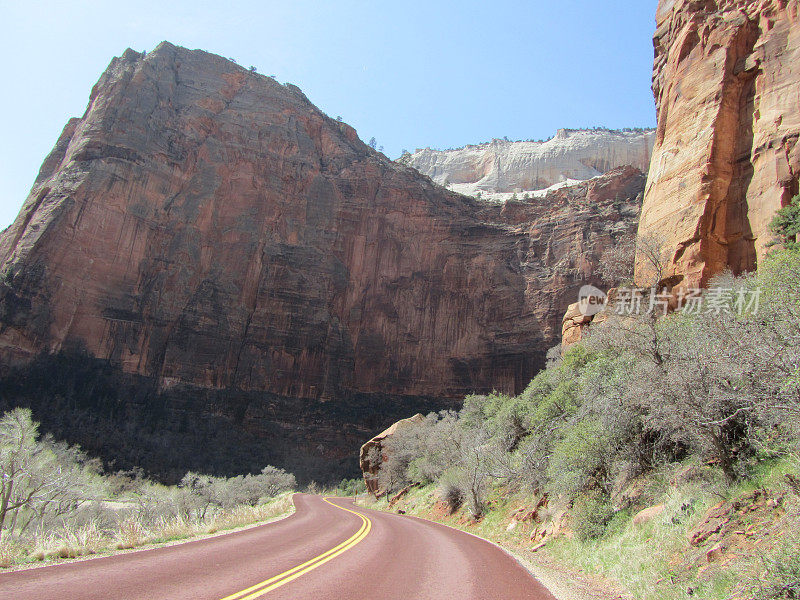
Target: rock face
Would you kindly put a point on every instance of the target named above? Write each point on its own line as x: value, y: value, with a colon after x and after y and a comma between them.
x: 499, y: 168
x: 373, y: 454
x: 205, y: 224
x: 563, y: 236
x: 232, y: 253
x: 574, y: 326
x: 727, y: 89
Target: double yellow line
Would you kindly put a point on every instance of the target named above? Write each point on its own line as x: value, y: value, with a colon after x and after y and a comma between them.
x: 272, y: 583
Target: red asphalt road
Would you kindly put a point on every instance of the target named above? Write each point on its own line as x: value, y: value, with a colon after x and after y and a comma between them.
x: 400, y: 558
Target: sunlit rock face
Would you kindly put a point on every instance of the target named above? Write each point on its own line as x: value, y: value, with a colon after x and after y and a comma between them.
x: 727, y: 87
x: 205, y: 224
x: 497, y: 169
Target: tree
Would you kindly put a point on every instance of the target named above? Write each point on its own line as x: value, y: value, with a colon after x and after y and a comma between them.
x: 651, y: 260
x: 786, y: 224
x: 274, y: 481
x: 372, y: 143
x: 37, y: 477
x: 699, y: 397
x: 617, y: 263
x: 227, y: 493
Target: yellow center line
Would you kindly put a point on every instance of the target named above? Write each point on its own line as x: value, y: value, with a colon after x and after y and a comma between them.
x: 258, y: 590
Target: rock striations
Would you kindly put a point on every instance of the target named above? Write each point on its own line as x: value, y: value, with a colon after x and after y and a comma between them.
x: 232, y: 253
x: 727, y: 87
x: 500, y: 168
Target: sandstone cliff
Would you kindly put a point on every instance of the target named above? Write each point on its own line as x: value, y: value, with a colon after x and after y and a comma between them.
x: 727, y: 87
x: 499, y: 168
x: 202, y: 223
x: 232, y: 253
x: 563, y: 235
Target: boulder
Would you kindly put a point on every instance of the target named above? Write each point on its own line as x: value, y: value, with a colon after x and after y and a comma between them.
x: 648, y: 514
x: 373, y: 454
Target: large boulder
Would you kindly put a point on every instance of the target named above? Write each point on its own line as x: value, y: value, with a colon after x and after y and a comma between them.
x: 373, y: 453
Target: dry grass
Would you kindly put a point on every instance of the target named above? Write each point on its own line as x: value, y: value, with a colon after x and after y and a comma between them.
x: 67, y: 542
x: 70, y: 542
x: 131, y: 533
x: 10, y: 554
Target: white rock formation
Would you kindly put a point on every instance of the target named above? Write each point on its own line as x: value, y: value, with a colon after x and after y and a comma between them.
x: 499, y: 168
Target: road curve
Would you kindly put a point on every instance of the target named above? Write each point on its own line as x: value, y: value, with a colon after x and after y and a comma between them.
x: 327, y: 550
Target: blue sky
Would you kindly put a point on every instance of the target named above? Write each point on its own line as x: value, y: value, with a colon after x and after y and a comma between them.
x: 411, y: 74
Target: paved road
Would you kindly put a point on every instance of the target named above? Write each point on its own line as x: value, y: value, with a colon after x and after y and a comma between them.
x: 328, y: 550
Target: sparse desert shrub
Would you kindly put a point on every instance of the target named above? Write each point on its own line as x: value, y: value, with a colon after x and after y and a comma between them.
x: 451, y: 494
x: 434, y: 446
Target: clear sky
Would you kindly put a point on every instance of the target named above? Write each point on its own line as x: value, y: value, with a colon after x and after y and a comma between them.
x: 412, y: 74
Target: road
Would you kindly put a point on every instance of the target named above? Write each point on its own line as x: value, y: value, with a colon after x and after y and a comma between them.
x: 329, y: 549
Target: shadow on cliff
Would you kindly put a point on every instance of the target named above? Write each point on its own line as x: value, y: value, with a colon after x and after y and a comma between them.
x: 128, y: 422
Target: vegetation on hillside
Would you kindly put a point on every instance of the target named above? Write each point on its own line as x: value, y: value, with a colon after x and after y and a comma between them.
x: 722, y: 384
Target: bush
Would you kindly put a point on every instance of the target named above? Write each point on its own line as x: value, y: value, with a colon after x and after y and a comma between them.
x: 452, y: 495
x: 591, y: 514
x: 351, y: 487
x: 579, y: 460
x: 786, y: 224
x: 54, y: 501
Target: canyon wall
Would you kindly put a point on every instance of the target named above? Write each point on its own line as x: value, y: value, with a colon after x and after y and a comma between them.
x: 205, y: 251
x: 499, y: 168
x: 727, y: 87
x: 563, y: 235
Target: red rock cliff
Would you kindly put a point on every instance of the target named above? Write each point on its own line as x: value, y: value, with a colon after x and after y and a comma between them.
x: 203, y: 225
x: 727, y: 89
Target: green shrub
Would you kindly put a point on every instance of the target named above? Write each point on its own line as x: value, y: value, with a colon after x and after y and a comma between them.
x: 352, y: 487
x: 578, y: 461
x: 591, y: 515
x: 786, y: 224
